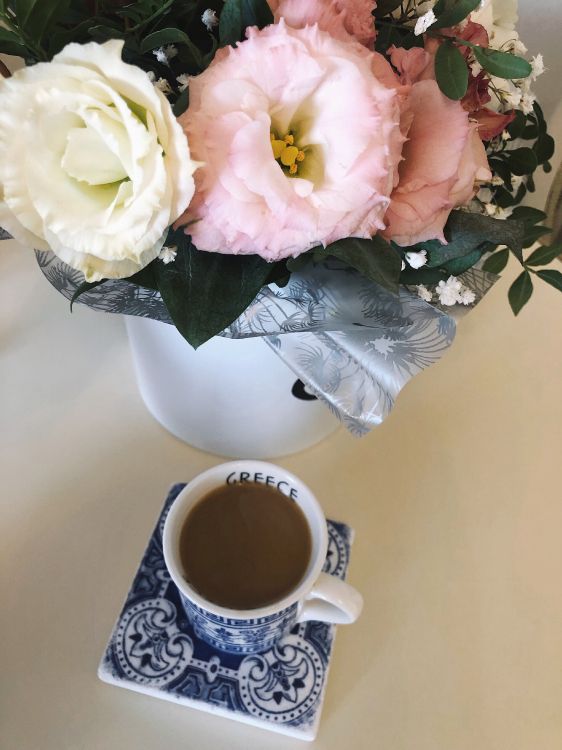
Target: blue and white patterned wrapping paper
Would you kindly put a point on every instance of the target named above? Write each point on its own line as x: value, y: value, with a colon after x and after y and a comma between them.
x: 153, y: 649
x: 350, y: 341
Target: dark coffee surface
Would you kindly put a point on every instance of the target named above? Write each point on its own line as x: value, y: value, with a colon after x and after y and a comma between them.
x: 245, y: 546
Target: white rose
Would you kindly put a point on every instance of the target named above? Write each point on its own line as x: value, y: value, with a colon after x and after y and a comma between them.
x: 93, y: 164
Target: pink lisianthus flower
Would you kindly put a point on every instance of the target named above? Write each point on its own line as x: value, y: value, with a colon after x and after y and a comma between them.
x: 340, y: 18
x: 443, y: 159
x: 299, y: 139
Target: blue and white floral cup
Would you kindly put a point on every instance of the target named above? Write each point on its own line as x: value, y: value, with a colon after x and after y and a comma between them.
x: 318, y: 596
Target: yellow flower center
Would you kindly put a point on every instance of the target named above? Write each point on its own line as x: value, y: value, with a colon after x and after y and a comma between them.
x: 286, y: 153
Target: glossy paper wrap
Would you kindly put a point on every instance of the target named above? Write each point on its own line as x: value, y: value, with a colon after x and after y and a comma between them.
x: 351, y: 342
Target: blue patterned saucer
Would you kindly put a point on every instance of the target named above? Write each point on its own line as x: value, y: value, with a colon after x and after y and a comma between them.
x: 154, y: 650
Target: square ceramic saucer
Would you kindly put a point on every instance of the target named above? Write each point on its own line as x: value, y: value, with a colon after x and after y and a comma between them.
x: 154, y: 650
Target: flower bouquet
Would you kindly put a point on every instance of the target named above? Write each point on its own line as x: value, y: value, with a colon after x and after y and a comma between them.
x: 341, y: 178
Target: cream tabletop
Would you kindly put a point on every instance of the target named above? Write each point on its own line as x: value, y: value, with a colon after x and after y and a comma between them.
x: 456, y: 500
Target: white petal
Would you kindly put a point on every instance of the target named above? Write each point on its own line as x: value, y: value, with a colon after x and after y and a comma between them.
x: 87, y: 158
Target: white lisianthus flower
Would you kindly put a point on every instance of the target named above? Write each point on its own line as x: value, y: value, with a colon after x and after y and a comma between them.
x: 93, y: 164
x: 499, y: 18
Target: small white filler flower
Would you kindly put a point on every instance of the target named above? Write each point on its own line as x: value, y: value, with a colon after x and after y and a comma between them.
x: 424, y: 22
x: 168, y: 254
x: 417, y: 260
x: 210, y: 19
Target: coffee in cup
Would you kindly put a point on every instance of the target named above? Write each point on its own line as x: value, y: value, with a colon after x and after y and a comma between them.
x: 245, y: 545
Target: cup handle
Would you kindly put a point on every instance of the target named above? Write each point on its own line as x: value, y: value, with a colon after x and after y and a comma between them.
x: 331, y: 600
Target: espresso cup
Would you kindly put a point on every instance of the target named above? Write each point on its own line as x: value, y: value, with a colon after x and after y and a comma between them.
x: 318, y: 596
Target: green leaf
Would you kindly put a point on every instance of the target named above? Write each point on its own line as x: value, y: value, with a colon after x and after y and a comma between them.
x: 85, y: 286
x: 422, y: 275
x: 496, y: 262
x: 544, y: 148
x: 532, y: 234
x: 502, y: 64
x: 544, y: 255
x: 501, y: 168
x: 552, y: 277
x: 384, y: 7
x: 375, y: 259
x: 540, y: 117
x: 528, y: 214
x: 522, y: 161
x: 182, y: 103
x: 10, y: 44
x: 36, y: 17
x: 517, y: 126
x: 300, y: 262
x: 462, y: 264
x: 530, y: 132
x: 503, y: 197
x: 278, y: 274
x: 171, y: 36
x: 237, y: 15
x: 204, y: 292
x: 520, y: 292
x: 451, y: 71
x: 146, y: 277
x: 454, y: 14
x: 163, y: 37
x: 467, y: 231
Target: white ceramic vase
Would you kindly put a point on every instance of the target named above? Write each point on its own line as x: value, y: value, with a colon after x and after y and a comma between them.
x: 234, y: 398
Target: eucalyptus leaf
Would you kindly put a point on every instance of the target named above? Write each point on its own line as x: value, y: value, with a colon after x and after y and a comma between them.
x: 454, y: 14
x: 544, y: 148
x: 517, y: 125
x: 503, y: 197
x: 532, y: 234
x: 544, y: 255
x: 501, y: 168
x: 205, y: 292
x: 502, y: 64
x: 520, y: 292
x: 530, y: 132
x: 552, y: 277
x: 451, y: 71
x: 496, y: 262
x: 522, y: 161
x: 375, y: 259
x: 528, y: 214
x: 540, y: 117
x: 237, y: 15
